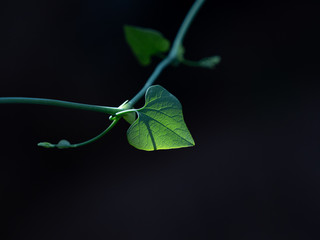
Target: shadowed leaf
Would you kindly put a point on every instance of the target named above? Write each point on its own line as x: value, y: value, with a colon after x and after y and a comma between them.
x: 145, y: 43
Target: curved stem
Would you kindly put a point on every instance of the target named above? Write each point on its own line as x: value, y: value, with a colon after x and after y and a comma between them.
x: 124, y: 112
x: 98, y: 136
x: 190, y: 63
x: 162, y: 65
x: 172, y: 56
x: 173, y: 52
x: 64, y: 144
x: 58, y: 103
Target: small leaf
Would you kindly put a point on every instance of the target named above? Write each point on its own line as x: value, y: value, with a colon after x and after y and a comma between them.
x: 160, y: 123
x: 145, y: 43
x: 209, y: 62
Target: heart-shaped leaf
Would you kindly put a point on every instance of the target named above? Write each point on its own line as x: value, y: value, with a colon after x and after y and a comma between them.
x: 145, y: 43
x: 160, y: 123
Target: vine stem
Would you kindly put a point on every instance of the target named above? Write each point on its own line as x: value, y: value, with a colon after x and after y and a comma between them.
x: 170, y: 58
x: 112, y: 110
x: 59, y: 103
x: 98, y: 136
x: 173, y: 54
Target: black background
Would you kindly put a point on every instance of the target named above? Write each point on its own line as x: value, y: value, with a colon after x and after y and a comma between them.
x: 255, y: 170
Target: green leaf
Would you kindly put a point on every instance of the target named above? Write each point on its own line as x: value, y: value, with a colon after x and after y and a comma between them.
x: 160, y: 123
x: 209, y: 62
x: 145, y: 43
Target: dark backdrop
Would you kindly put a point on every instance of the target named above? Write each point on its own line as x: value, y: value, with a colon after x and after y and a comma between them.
x: 255, y: 170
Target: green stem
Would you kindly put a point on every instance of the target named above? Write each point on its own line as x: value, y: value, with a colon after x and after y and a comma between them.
x: 162, y: 65
x: 63, y: 144
x: 190, y: 63
x: 59, y: 103
x: 98, y: 136
x: 172, y: 56
x: 184, y: 27
x: 173, y: 52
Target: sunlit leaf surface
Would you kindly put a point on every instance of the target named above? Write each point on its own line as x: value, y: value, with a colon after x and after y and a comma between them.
x: 160, y: 123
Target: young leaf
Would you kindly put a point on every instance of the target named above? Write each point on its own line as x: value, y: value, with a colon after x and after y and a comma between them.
x: 160, y: 123
x: 209, y: 62
x: 145, y: 43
